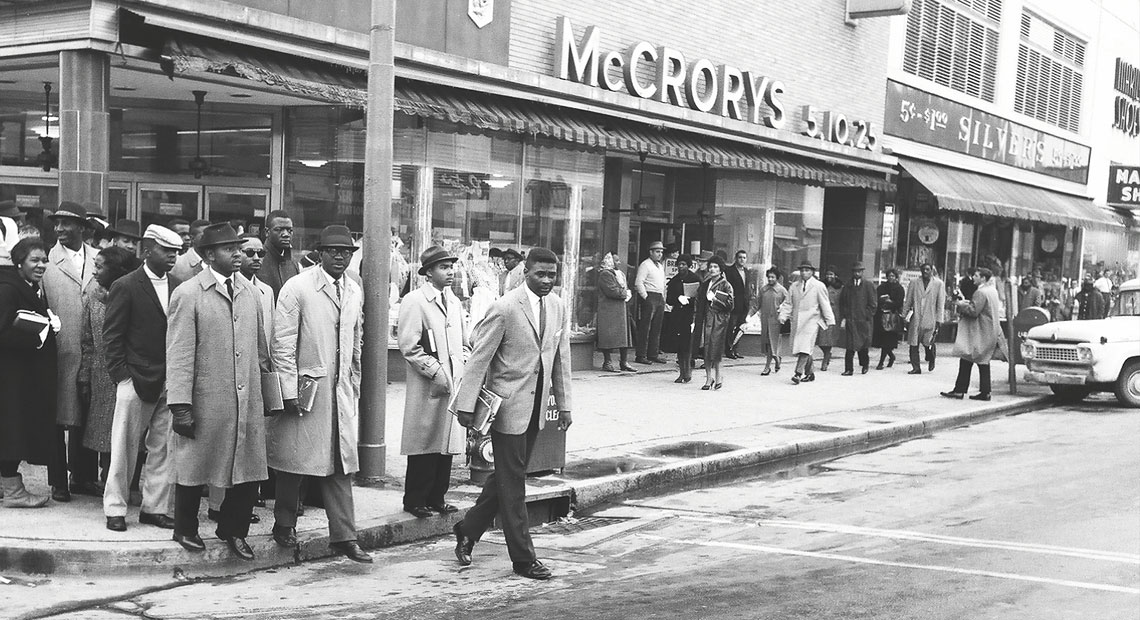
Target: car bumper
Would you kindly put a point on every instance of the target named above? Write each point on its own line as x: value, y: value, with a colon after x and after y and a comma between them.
x: 1052, y: 377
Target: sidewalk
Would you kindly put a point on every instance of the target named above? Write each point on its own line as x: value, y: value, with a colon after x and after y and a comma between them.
x: 630, y: 433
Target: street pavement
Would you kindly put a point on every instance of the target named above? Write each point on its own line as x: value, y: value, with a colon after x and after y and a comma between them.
x: 1030, y: 517
x: 625, y: 426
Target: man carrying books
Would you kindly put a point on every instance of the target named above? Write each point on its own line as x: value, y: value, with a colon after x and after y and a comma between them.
x: 317, y: 337
x: 433, y: 339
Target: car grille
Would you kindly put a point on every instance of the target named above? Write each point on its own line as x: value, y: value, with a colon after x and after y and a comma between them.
x: 1055, y: 354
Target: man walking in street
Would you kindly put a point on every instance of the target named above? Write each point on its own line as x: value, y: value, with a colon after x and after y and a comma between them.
x: 739, y: 277
x: 521, y: 352
x: 856, y: 314
x: 215, y: 356
x: 433, y: 337
x: 979, y: 330
x: 650, y: 287
x: 278, y: 265
x: 71, y: 266
x: 1090, y: 301
x: 925, y: 304
x: 808, y: 309
x: 190, y: 262
x: 135, y: 334
x: 252, y: 255
x: 317, y: 339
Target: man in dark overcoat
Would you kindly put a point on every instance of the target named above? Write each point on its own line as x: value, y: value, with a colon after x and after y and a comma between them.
x: 741, y: 280
x: 215, y: 356
x: 857, y: 305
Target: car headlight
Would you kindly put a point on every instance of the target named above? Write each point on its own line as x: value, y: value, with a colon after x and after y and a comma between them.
x: 1084, y: 353
x: 1027, y: 350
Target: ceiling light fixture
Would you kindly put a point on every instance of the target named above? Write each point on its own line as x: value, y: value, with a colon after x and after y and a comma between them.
x: 199, y: 165
x: 47, y: 159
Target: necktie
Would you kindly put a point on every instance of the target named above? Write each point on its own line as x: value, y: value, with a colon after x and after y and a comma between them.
x: 541, y: 318
x: 230, y: 287
x: 336, y: 285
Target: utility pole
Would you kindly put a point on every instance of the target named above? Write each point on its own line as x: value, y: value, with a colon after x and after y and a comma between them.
x: 377, y: 238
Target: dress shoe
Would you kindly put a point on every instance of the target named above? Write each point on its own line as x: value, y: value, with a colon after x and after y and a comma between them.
x: 117, y: 524
x: 732, y: 356
x: 687, y: 379
x: 444, y: 508
x: 865, y: 369
x: 532, y: 570
x: 658, y: 360
x: 239, y: 547
x: 915, y: 371
x: 809, y: 378
x: 679, y: 380
x: 985, y: 396
x: 707, y: 386
x: 161, y: 521
x: 190, y: 542
x: 60, y: 494
x: 766, y: 372
x: 930, y: 366
x: 953, y: 394
x: 796, y: 378
x: 285, y: 536
x: 847, y: 373
x: 891, y: 361
x: 625, y: 367
x: 463, y: 545
x: 351, y: 550
x: 609, y: 367
x: 419, y: 512
x: 641, y: 360
x: 880, y: 366
x: 86, y: 488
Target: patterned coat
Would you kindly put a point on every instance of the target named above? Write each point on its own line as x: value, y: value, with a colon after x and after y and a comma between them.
x: 215, y: 354
x: 93, y: 370
x: 63, y: 287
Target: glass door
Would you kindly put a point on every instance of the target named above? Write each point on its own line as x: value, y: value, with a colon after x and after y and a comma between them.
x: 243, y: 208
x: 119, y: 205
x: 158, y: 204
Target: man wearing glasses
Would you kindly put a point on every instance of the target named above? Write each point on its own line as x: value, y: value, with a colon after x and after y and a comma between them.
x: 252, y: 255
x: 278, y: 265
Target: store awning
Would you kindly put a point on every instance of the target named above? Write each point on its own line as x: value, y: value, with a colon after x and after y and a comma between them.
x: 959, y: 190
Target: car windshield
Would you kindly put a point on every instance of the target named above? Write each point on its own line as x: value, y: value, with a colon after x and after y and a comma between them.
x: 1127, y: 304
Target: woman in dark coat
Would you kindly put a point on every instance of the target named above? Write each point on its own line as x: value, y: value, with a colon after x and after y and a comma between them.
x: 27, y: 374
x: 96, y: 389
x: 679, y: 320
x: 714, y: 313
x: 614, y: 331
x: 888, y: 322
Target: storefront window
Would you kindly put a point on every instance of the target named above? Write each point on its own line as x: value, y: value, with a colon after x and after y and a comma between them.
x: 33, y: 200
x: 166, y: 140
x: 959, y: 246
x: 742, y: 219
x: 797, y: 225
x: 22, y: 124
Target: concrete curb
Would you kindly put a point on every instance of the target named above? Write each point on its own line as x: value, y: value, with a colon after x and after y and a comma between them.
x: 61, y: 557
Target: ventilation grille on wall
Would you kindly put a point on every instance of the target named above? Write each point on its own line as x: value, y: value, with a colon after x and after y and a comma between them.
x: 954, y: 45
x: 1050, y: 65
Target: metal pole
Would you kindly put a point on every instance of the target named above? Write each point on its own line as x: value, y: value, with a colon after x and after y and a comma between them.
x: 377, y: 238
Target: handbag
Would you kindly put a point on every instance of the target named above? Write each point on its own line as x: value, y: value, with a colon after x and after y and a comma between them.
x: 889, y: 321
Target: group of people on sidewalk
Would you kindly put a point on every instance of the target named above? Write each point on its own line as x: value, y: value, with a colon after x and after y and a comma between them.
x: 231, y: 371
x: 699, y: 313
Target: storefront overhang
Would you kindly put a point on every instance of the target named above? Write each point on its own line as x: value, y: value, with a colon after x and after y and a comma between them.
x: 185, y: 53
x: 970, y: 192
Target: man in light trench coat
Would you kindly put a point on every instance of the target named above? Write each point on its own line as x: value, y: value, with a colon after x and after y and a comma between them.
x: 979, y: 335
x: 808, y: 308
x: 215, y: 356
x: 317, y: 337
x: 433, y: 338
x: 926, y: 305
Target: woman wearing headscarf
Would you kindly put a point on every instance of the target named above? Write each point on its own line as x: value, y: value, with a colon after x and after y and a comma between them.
x: 888, y: 322
x: 96, y: 389
x: 614, y: 328
x: 27, y: 373
x: 714, y: 313
x: 679, y: 319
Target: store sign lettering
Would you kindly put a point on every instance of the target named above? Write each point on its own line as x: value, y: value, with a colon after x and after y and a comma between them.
x: 1126, y: 110
x: 920, y: 116
x: 661, y: 73
x: 1124, y: 185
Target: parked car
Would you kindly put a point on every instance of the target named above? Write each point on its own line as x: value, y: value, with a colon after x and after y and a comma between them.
x: 1077, y: 358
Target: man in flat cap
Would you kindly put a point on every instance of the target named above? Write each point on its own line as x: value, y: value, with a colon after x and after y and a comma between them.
x: 215, y: 356
x: 856, y: 313
x: 433, y: 337
x: 317, y: 338
x: 71, y: 266
x: 135, y: 334
x: 650, y: 287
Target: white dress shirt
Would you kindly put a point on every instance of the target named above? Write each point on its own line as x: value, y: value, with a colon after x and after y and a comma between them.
x: 78, y: 258
x: 161, y: 287
x: 535, y: 307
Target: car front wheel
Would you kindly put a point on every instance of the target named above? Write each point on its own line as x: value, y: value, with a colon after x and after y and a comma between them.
x: 1070, y: 393
x: 1128, y: 384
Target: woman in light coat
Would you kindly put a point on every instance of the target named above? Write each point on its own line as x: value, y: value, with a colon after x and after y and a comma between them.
x: 979, y: 330
x: 434, y: 340
x: 614, y: 329
x: 809, y: 310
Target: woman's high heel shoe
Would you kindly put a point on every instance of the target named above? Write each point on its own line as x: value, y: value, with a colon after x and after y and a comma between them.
x: 766, y: 372
x: 707, y: 386
x: 890, y: 361
x: 717, y: 386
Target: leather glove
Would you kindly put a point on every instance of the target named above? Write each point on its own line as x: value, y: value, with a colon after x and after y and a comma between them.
x: 183, y: 420
x: 291, y: 407
x: 466, y: 418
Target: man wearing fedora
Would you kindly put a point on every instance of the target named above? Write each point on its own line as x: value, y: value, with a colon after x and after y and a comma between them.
x: 135, y: 333
x: 317, y: 338
x: 512, y: 275
x: 650, y: 287
x: 71, y: 266
x: 433, y: 337
x: 808, y: 309
x: 126, y: 234
x: 856, y: 313
x: 215, y: 356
